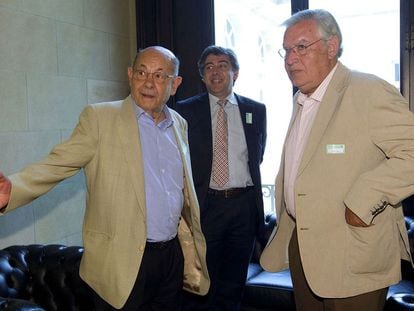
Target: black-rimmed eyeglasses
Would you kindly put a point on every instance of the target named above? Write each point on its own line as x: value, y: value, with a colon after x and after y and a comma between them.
x: 299, y: 49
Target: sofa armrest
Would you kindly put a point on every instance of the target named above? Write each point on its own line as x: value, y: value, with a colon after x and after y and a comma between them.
x: 13, y: 304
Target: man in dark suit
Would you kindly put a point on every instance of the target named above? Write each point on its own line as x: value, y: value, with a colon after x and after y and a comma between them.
x: 227, y: 136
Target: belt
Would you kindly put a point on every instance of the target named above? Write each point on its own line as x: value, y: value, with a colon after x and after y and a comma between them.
x: 228, y: 193
x: 159, y: 245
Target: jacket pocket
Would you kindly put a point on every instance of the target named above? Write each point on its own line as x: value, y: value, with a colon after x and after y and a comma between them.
x: 371, y: 249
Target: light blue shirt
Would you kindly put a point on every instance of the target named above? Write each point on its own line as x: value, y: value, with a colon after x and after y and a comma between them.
x: 239, y: 173
x: 163, y: 175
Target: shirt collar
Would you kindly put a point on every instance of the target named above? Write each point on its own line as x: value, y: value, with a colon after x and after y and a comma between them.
x: 231, y: 99
x: 140, y: 113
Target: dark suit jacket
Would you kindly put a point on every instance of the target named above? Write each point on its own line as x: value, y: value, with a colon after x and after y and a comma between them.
x: 196, y: 110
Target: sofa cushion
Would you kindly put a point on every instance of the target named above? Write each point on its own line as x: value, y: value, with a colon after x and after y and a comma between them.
x: 268, y: 290
x: 400, y: 302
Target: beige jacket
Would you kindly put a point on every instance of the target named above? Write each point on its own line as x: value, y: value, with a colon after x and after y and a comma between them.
x: 360, y: 154
x: 106, y: 143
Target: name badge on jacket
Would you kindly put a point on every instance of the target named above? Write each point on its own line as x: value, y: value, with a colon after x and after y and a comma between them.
x: 335, y: 148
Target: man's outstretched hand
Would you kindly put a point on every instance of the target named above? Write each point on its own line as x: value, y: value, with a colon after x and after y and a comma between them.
x: 5, y: 190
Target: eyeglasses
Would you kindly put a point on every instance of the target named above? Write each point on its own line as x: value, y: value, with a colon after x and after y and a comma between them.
x: 299, y: 49
x: 158, y: 76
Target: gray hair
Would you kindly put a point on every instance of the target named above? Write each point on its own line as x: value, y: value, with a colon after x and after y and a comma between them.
x: 327, y: 24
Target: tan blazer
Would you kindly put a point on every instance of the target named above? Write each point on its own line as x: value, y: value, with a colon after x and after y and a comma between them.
x: 106, y: 143
x: 360, y: 154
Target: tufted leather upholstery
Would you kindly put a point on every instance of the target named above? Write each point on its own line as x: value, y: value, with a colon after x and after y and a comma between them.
x: 401, y: 295
x: 43, y: 277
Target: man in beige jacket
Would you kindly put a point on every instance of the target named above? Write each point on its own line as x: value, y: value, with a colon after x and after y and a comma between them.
x: 348, y: 161
x: 140, y: 193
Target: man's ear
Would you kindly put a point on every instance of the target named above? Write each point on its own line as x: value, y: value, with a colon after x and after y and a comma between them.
x: 176, y: 83
x: 235, y: 76
x: 333, y: 47
x: 130, y: 73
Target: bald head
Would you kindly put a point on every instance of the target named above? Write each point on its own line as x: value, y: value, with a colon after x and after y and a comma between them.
x: 175, y: 63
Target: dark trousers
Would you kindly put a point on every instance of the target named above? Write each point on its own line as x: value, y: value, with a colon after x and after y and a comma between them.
x: 229, y: 226
x: 159, y: 282
x: 306, y: 300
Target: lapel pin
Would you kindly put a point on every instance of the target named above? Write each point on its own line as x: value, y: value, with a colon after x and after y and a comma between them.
x: 249, y: 118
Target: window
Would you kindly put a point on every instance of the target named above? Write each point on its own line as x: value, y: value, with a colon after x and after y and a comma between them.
x: 262, y: 75
x: 371, y: 35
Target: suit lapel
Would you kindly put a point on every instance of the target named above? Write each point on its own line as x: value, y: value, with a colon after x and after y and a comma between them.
x: 292, y: 119
x: 328, y: 106
x: 182, y: 146
x: 129, y: 137
x: 202, y: 131
x: 204, y: 121
x: 248, y: 128
x: 185, y: 158
x: 243, y: 108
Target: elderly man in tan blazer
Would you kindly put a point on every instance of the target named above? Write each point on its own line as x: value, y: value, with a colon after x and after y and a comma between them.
x: 124, y: 250
x: 348, y: 161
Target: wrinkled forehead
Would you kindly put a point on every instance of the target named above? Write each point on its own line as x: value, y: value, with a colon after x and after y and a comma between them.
x: 154, y: 60
x: 306, y: 30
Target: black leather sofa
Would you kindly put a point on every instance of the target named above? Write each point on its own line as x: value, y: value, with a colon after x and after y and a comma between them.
x: 46, y: 278
x: 43, y: 277
x: 267, y: 291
